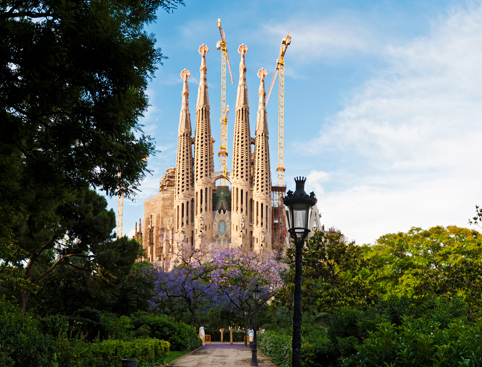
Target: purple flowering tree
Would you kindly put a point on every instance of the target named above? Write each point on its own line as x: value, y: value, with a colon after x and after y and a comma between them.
x: 206, y: 278
x: 186, y: 285
x: 235, y: 271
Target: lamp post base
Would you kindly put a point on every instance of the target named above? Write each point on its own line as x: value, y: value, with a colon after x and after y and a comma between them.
x: 254, y: 354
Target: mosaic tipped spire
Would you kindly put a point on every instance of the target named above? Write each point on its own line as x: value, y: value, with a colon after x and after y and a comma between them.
x: 185, y: 118
x: 242, y: 98
x: 203, y: 95
x: 262, y: 121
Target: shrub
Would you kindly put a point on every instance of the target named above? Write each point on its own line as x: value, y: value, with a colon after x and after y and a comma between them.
x: 109, y: 353
x: 277, y: 346
x: 180, y: 335
x: 420, y: 343
x: 21, y: 342
x: 117, y: 327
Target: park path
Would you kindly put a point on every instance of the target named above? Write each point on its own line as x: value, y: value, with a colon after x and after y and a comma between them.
x: 221, y: 354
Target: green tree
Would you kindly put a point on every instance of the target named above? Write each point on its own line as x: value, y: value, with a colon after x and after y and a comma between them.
x: 82, y: 239
x: 72, y: 88
x: 440, y: 261
x: 333, y: 275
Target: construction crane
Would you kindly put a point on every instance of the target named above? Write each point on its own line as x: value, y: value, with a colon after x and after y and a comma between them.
x: 120, y: 206
x: 223, y: 153
x: 280, y: 68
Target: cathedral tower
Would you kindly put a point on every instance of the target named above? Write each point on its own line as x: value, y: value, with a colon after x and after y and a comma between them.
x: 241, y: 196
x: 203, y: 160
x: 184, y: 186
x: 262, y: 175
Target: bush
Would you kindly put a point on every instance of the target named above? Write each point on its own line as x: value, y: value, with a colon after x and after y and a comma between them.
x: 277, y: 346
x: 420, y: 343
x: 21, y: 342
x: 180, y: 335
x: 109, y: 353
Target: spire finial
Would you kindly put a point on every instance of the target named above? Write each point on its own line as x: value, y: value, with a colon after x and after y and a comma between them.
x: 262, y: 74
x: 185, y: 74
x: 203, y: 50
x: 203, y: 98
x: 242, y: 49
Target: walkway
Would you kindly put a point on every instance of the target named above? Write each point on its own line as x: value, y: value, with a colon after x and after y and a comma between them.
x: 221, y: 354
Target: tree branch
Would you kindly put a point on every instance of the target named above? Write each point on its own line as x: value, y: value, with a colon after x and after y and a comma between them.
x: 41, y: 276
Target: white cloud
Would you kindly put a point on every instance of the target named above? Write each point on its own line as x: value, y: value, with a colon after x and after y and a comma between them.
x: 131, y: 233
x: 412, y: 135
x: 322, y: 38
x: 316, y: 178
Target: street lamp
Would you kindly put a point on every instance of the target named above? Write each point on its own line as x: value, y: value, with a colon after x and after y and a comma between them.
x: 246, y: 335
x: 254, y: 344
x: 299, y: 204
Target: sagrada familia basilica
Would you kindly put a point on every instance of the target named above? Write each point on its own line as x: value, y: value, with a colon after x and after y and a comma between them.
x: 190, y: 208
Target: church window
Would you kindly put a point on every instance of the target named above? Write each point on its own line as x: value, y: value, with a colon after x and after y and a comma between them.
x: 222, y: 228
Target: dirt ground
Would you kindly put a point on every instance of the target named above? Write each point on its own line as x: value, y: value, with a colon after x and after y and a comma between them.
x: 221, y: 354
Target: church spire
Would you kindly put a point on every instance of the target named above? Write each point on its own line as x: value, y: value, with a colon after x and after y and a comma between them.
x: 242, y: 98
x: 241, y: 175
x: 185, y: 118
x: 203, y: 159
x: 262, y: 172
x: 203, y: 95
x: 262, y: 121
x: 184, y: 185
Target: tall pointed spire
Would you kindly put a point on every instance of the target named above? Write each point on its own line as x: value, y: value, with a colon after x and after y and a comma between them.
x: 262, y: 172
x: 203, y: 159
x: 262, y: 121
x: 185, y: 118
x: 242, y: 98
x: 184, y: 184
x: 203, y: 95
x: 241, y: 212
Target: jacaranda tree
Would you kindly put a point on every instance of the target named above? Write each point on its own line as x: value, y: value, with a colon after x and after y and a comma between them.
x: 206, y: 277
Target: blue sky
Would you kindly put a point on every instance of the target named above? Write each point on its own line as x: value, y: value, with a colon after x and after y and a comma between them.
x: 382, y: 103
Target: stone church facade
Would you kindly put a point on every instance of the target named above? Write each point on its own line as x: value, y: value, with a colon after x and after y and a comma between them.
x: 189, y: 207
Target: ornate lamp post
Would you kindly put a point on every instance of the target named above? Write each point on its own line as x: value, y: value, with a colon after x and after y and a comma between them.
x: 299, y: 204
x: 254, y: 344
x: 246, y: 329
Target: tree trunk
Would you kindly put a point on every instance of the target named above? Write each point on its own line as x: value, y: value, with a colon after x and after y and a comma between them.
x: 193, y: 313
x: 23, y: 301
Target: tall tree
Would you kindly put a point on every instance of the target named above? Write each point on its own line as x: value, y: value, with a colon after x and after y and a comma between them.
x: 186, y: 285
x: 333, y: 274
x: 73, y: 76
x: 440, y: 261
x: 82, y: 239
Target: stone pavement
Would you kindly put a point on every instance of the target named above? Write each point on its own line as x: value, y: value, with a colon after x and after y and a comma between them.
x: 221, y: 354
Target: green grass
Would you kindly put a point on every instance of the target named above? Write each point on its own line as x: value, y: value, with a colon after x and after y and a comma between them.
x: 175, y: 355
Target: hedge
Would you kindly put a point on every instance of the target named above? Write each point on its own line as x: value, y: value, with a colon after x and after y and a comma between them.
x: 109, y: 353
x: 180, y: 335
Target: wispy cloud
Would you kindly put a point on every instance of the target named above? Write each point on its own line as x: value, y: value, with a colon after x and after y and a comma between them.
x: 412, y: 135
x: 322, y: 38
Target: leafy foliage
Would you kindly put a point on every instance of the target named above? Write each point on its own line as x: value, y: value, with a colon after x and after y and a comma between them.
x: 180, y: 335
x: 72, y: 89
x: 110, y: 353
x: 428, y: 263
x: 218, y: 282
x: 21, y: 342
x: 333, y: 275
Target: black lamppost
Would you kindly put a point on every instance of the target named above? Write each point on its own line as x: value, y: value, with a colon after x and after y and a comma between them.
x: 246, y: 329
x: 299, y: 204
x: 254, y: 344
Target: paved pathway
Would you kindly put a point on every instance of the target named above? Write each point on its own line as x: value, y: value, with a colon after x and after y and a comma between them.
x: 221, y: 354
